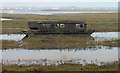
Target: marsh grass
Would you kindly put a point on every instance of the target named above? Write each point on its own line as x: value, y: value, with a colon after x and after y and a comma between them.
x: 57, y: 42
x: 49, y: 41
x: 112, y: 43
x: 101, y: 22
x: 6, y: 44
x: 62, y: 67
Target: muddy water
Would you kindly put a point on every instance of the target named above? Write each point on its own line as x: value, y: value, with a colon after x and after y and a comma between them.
x: 78, y: 55
x: 99, y: 54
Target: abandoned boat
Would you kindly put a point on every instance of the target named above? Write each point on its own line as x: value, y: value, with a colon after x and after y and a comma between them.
x: 58, y: 27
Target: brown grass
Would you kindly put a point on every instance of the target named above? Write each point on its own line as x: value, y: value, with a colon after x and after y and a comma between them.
x: 99, y: 21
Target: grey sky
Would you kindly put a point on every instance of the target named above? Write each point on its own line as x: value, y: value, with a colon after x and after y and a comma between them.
x: 59, y: 0
x: 59, y: 4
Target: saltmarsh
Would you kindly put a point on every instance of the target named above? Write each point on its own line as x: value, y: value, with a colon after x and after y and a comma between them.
x: 63, y: 67
x: 101, y: 22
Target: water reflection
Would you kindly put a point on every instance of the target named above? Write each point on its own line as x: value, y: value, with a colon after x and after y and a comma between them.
x: 94, y: 55
x: 15, y: 37
x: 3, y: 19
x: 105, y: 36
x: 99, y: 36
x: 59, y: 41
x: 58, y: 49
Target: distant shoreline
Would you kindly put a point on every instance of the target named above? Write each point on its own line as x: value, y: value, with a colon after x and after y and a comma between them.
x: 52, y: 12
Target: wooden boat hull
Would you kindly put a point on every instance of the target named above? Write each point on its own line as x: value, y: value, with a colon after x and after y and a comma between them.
x: 89, y: 32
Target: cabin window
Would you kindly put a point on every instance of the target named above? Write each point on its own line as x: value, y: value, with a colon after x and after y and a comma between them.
x: 79, y: 26
x: 56, y: 25
x: 62, y: 25
x: 34, y: 28
x: 46, y: 25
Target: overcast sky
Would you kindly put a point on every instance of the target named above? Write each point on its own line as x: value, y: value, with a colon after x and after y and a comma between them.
x: 59, y: 3
x: 60, y: 0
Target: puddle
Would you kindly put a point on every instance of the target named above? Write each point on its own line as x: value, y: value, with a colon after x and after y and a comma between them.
x: 90, y: 55
x: 4, y: 19
x: 105, y: 36
x: 15, y: 37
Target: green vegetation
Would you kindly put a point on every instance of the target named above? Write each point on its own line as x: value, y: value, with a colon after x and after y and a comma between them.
x: 101, y: 22
x: 62, y: 67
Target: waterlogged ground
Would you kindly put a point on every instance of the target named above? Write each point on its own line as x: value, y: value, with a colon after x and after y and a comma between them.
x: 98, y: 36
x: 98, y: 52
x: 59, y: 41
x: 60, y: 49
x: 98, y: 55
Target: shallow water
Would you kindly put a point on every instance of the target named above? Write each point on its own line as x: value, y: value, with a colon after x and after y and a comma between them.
x: 74, y: 55
x: 105, y: 36
x: 15, y: 37
x: 99, y: 54
x: 98, y: 36
x: 52, y: 12
x: 3, y: 19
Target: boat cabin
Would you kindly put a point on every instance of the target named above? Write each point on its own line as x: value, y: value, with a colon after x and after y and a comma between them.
x: 57, y: 26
